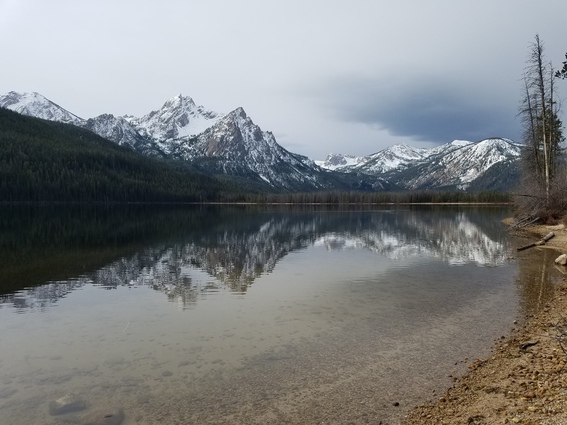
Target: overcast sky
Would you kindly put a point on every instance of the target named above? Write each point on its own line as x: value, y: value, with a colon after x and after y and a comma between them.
x: 324, y: 76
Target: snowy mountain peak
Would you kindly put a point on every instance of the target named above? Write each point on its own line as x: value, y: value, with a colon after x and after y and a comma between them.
x: 233, y: 145
x: 340, y: 161
x: 499, y: 142
x: 404, y: 151
x: 457, y: 164
x: 460, y: 143
x: 394, y: 157
x: 463, y: 165
x: 179, y: 101
x: 35, y: 105
x: 240, y: 112
x: 179, y: 117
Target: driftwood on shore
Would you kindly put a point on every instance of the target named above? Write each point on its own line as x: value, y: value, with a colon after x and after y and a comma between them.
x: 538, y: 243
x: 524, y: 222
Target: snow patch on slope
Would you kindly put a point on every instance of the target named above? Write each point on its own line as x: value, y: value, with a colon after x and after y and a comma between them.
x: 35, y: 105
x: 179, y: 117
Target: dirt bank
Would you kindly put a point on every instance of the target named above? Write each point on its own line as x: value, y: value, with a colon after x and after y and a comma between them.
x: 525, y: 380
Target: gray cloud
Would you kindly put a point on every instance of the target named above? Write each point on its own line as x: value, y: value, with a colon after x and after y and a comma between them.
x: 390, y: 72
x: 424, y: 109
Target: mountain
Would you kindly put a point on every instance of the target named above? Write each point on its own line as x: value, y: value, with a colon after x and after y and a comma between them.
x: 394, y: 157
x: 121, y: 131
x: 340, y: 162
x: 178, y: 118
x: 46, y: 161
x: 233, y: 147
x: 464, y: 166
x: 490, y: 164
x: 236, y: 146
x: 35, y: 105
x: 228, y: 145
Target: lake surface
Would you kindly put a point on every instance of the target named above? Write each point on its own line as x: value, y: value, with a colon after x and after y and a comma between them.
x: 241, y: 315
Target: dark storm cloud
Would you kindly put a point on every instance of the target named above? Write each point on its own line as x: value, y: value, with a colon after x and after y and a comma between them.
x: 425, y: 109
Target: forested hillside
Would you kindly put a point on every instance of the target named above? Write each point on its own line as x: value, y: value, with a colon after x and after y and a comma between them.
x: 44, y: 161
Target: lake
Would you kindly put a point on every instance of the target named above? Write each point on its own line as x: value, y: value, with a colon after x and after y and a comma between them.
x: 251, y: 315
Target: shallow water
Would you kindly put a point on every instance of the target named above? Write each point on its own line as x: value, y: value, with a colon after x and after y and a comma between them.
x: 212, y: 315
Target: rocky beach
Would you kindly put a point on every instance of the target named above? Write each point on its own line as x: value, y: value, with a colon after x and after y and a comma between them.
x: 524, y: 381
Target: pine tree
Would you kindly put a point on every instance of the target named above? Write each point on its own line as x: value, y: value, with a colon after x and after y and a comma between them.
x: 543, y: 133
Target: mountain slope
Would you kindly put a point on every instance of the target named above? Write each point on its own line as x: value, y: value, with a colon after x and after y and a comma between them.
x: 54, y: 162
x: 178, y: 118
x: 392, y: 158
x: 237, y: 146
x: 234, y: 147
x: 35, y: 105
x: 459, y: 165
x: 464, y: 166
x: 230, y: 145
x: 122, y: 132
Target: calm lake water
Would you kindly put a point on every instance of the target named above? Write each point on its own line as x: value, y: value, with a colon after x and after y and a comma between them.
x: 231, y: 315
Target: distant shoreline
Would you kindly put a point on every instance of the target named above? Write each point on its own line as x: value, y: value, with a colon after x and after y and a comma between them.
x: 2, y: 203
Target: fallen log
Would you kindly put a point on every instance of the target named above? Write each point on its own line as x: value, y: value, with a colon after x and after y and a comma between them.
x: 538, y: 243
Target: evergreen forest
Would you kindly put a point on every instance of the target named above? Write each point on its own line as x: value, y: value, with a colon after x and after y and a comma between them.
x: 49, y: 162
x: 45, y: 161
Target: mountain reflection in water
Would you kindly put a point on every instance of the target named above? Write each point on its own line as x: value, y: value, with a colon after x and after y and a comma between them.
x: 280, y: 315
x: 192, y: 251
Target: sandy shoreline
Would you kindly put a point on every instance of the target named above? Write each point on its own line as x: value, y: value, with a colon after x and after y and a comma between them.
x: 525, y: 380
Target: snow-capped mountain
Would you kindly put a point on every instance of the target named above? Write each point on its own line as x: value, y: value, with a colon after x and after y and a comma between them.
x: 340, y: 162
x: 232, y: 144
x: 388, y: 159
x: 394, y: 157
x: 227, y: 144
x: 179, y: 118
x: 36, y: 105
x: 239, y: 147
x: 454, y: 165
x: 487, y: 164
x: 217, y: 144
x: 121, y: 131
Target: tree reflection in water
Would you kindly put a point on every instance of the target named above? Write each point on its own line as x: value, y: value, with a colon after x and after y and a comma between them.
x: 185, y: 252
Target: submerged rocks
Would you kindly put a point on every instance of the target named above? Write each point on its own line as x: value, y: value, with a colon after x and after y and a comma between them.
x: 103, y: 417
x: 561, y: 260
x: 66, y: 404
x: 71, y: 403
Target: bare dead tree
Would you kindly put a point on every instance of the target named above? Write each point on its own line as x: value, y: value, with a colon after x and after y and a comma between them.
x: 542, y: 136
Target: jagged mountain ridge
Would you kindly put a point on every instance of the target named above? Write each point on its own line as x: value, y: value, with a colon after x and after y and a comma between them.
x: 458, y: 165
x: 178, y: 118
x: 232, y: 144
x: 391, y: 158
x: 228, y: 144
x: 465, y: 167
x: 121, y: 131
